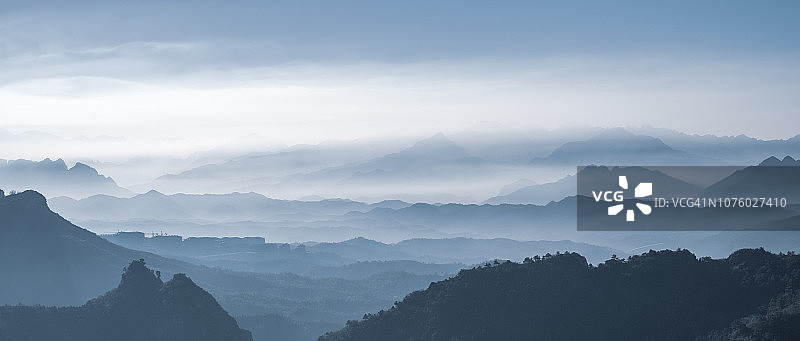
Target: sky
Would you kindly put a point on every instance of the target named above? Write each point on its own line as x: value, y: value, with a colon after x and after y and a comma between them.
x: 190, y: 75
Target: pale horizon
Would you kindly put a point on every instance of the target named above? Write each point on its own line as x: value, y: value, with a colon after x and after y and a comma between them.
x: 205, y: 74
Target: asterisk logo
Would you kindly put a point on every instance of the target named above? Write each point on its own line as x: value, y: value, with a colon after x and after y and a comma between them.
x: 642, y: 190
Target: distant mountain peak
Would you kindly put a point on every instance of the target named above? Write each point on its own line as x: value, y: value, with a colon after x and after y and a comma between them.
x: 618, y: 146
x: 616, y: 133
x: 774, y: 161
x: 358, y: 239
x: 433, y: 157
x: 57, y: 162
x: 153, y: 193
x: 621, y: 136
x: 437, y: 147
x: 437, y: 141
x: 361, y: 241
x: 84, y: 169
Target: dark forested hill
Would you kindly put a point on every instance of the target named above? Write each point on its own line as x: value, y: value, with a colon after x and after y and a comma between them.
x: 142, y: 307
x: 665, y: 295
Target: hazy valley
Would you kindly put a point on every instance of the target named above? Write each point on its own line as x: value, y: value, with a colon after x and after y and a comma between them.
x: 290, y: 257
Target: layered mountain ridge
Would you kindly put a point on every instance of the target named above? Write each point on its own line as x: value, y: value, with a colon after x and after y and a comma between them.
x: 54, y: 178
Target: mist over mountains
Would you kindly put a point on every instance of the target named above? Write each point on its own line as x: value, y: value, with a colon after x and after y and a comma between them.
x: 734, y: 150
x: 333, y: 220
x: 327, y: 220
x: 30, y: 223
x: 320, y: 262
x: 538, y: 194
x: 55, y: 178
x: 618, y: 146
x: 462, y: 168
x: 357, y: 258
x: 39, y: 248
x: 30, y: 229
x: 468, y: 167
x: 410, y: 171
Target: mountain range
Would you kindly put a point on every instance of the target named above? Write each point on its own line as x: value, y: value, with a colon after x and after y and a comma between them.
x: 465, y: 250
x: 256, y: 168
x: 253, y: 214
x: 538, y: 194
x: 466, y: 167
x: 676, y: 181
x: 774, y: 161
x: 39, y: 248
x: 619, y: 147
x: 239, y: 206
x: 434, y: 167
x: 55, y: 178
x: 738, y: 150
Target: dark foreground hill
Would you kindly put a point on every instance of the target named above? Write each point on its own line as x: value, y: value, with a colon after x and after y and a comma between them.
x: 665, y: 295
x: 142, y: 307
x: 39, y: 248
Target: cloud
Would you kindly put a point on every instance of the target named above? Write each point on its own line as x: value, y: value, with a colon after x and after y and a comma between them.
x: 150, y: 90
